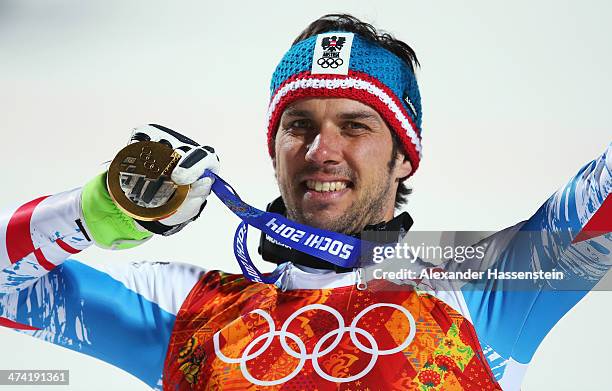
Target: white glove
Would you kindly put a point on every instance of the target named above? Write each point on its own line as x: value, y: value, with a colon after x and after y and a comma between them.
x: 194, y: 160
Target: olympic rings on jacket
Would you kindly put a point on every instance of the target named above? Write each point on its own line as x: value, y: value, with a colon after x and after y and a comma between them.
x: 302, y: 353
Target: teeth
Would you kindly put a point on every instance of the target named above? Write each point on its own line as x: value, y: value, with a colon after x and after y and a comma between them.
x: 325, y: 186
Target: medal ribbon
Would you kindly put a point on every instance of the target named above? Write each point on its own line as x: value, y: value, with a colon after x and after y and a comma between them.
x: 333, y: 247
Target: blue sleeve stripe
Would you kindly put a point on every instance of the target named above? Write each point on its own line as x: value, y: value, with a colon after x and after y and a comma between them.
x: 86, y: 310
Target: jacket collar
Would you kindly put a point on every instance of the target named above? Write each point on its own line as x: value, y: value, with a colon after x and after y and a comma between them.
x: 272, y: 252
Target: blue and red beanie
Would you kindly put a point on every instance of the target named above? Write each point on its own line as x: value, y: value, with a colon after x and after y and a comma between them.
x: 344, y: 65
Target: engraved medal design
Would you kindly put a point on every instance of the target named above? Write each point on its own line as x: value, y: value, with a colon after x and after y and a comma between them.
x: 139, y: 181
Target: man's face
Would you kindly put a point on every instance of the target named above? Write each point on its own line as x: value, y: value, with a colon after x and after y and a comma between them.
x: 334, y: 166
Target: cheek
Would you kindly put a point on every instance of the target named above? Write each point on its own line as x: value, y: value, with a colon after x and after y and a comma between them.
x: 287, y: 149
x: 287, y: 143
x: 371, y: 158
x: 286, y: 158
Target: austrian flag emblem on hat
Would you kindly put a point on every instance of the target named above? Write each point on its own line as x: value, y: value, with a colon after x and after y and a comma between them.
x: 332, y: 54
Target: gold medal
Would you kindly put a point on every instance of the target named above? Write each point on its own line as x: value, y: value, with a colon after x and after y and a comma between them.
x: 139, y: 181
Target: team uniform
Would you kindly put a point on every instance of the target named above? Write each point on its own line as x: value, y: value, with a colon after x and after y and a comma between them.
x: 177, y: 326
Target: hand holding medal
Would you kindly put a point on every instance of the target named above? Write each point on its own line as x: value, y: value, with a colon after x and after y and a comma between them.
x: 156, y: 178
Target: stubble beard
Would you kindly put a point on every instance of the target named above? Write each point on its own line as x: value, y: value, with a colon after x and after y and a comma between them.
x: 369, y: 208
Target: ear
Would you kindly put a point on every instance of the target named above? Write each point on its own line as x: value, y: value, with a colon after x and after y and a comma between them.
x: 274, y: 151
x: 403, y: 167
x: 274, y: 166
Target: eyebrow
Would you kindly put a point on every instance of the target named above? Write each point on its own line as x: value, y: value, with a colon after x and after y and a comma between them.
x: 349, y: 115
x: 359, y: 115
x: 293, y: 112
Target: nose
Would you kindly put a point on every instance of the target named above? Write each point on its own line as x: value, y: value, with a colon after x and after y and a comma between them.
x: 326, y: 147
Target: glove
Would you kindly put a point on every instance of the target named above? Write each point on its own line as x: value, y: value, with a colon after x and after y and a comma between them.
x: 194, y: 160
x: 110, y: 227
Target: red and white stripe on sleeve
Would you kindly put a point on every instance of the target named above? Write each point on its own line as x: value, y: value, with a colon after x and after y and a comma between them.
x: 47, y: 229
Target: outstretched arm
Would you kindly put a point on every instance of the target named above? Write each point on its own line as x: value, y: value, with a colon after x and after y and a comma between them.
x: 513, y: 316
x: 122, y: 314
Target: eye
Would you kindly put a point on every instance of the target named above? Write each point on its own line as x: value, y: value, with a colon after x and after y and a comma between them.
x: 353, y: 127
x: 357, y: 125
x: 300, y: 124
x: 298, y: 127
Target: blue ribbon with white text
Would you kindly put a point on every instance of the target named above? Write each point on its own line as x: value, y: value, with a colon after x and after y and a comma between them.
x: 333, y: 247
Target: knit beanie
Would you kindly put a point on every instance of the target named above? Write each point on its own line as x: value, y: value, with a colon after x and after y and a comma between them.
x: 345, y: 65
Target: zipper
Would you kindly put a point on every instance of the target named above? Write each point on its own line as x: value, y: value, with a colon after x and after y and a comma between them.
x: 285, y: 277
x: 361, y: 283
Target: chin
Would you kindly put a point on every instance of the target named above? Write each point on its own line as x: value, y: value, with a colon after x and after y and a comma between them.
x: 318, y: 222
x: 335, y: 222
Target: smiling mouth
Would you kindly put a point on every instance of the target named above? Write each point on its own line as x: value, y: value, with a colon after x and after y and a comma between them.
x: 326, y: 186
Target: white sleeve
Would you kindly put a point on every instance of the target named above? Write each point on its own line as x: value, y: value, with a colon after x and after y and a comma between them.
x: 38, y: 236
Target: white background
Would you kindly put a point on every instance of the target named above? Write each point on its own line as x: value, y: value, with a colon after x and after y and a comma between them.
x: 516, y: 98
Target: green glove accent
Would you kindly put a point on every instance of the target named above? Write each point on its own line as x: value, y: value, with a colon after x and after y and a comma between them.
x: 106, y: 223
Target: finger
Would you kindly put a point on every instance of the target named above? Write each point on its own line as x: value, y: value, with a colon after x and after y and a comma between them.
x: 188, y: 210
x: 215, y: 167
x: 139, y: 135
x: 201, y: 188
x: 161, y: 134
x: 174, y: 134
x: 193, y: 164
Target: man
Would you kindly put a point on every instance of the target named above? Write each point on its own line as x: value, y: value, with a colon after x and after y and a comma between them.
x: 344, y: 132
